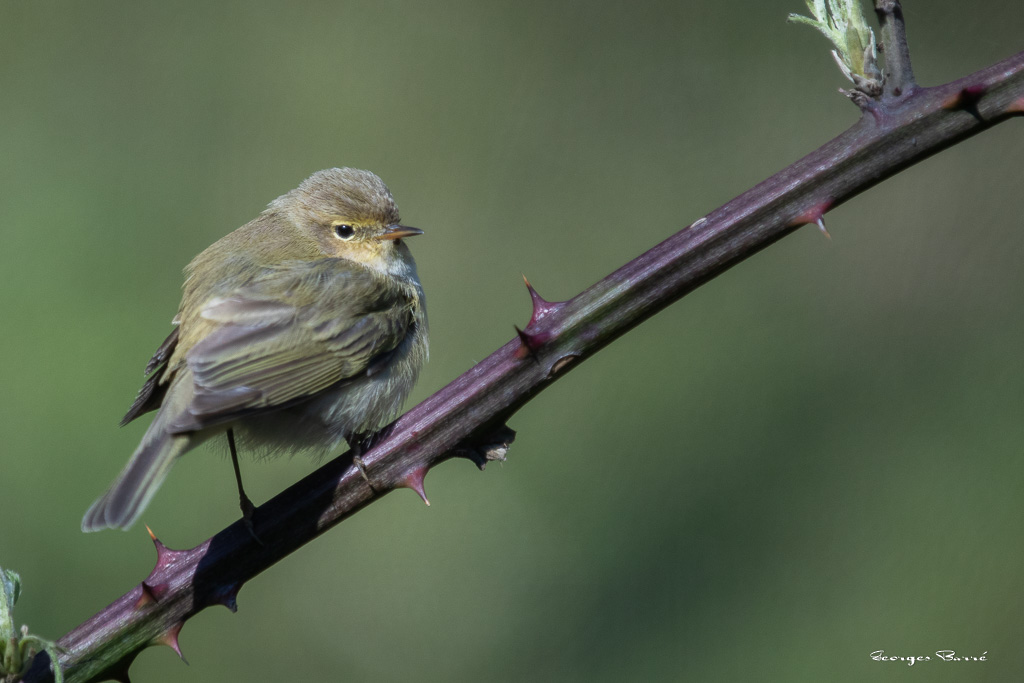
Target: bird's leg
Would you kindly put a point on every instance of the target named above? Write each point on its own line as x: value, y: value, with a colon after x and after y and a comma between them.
x: 357, y: 444
x: 360, y: 443
x: 243, y: 500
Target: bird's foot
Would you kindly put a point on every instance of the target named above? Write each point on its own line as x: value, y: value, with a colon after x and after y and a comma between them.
x: 361, y: 466
x: 360, y: 444
x: 248, y: 513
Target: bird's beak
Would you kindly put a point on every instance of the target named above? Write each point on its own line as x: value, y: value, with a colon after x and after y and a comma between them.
x: 397, y: 232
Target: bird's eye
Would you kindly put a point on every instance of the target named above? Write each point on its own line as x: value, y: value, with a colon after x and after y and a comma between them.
x: 344, y: 231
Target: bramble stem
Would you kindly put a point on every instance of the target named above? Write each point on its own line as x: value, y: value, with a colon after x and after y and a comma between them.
x: 467, y: 416
x: 899, y: 74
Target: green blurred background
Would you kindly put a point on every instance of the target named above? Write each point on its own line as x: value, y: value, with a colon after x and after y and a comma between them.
x: 815, y: 456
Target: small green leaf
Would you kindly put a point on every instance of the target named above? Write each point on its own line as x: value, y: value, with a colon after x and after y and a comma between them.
x: 842, y: 22
x: 12, y: 586
x: 18, y: 649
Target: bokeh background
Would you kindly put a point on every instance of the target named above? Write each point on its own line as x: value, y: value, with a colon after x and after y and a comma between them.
x: 813, y: 457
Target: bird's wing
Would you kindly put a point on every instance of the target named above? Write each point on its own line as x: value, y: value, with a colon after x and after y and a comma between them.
x: 151, y: 395
x: 290, y: 334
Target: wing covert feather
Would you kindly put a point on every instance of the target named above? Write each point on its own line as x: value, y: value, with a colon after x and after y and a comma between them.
x: 293, y: 332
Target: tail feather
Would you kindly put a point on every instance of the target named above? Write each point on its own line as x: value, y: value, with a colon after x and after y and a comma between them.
x: 131, y: 492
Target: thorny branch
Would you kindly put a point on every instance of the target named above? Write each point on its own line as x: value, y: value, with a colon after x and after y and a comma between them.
x: 467, y: 417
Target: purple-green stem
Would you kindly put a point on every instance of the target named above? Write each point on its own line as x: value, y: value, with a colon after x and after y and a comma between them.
x: 899, y: 74
x: 461, y: 419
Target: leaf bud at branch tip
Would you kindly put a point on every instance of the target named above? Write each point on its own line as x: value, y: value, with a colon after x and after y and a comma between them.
x: 856, y: 51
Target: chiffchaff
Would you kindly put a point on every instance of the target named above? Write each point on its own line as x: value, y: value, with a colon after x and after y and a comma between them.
x: 301, y: 329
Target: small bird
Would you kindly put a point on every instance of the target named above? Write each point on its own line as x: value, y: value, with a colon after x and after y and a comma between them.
x: 304, y: 328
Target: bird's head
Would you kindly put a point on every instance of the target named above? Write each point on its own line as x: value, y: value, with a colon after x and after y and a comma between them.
x: 350, y: 214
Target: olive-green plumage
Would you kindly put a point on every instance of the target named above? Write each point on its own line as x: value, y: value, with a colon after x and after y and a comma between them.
x: 303, y: 328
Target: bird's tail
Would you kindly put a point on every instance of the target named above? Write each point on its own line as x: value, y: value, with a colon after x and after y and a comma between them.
x: 130, y: 493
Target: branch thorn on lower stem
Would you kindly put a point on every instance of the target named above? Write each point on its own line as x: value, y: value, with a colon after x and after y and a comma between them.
x: 170, y: 639
x: 541, y: 306
x: 414, y: 481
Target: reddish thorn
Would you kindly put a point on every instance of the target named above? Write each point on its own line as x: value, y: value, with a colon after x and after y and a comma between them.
x: 150, y: 594
x: 821, y: 226
x: 414, y: 481
x: 161, y: 549
x: 170, y: 639
x: 146, y: 597
x: 967, y: 98
x: 541, y: 307
x: 815, y: 215
x: 152, y: 591
x: 975, y: 91
x: 1016, y: 107
x: 528, y: 344
x: 164, y: 555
